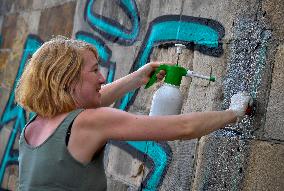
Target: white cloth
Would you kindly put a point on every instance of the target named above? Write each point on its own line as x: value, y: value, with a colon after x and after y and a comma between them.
x: 240, y: 102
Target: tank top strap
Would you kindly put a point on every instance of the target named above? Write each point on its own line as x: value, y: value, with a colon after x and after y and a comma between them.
x: 23, y: 130
x: 64, y: 125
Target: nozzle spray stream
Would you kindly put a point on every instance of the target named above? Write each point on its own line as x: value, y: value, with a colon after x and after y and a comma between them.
x: 194, y: 74
x: 179, y: 51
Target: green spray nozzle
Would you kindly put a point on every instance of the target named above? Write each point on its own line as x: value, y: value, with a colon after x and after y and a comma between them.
x: 173, y: 76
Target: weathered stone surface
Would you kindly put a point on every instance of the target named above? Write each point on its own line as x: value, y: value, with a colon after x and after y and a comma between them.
x: 23, y: 5
x: 272, y: 12
x: 265, y: 168
x: 43, y: 4
x: 220, y: 163
x: 121, y: 166
x: 57, y: 21
x: 3, y: 61
x: 10, y: 180
x: 4, y: 136
x: 14, y: 46
x: 116, y: 185
x: 79, y: 23
x: 275, y: 110
x: 164, y: 7
x: 1, y: 21
x: 8, y: 30
x: 5, y: 6
x: 224, y: 11
x: 181, y: 168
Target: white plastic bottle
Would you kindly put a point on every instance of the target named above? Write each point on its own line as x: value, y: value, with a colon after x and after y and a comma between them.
x: 167, y: 100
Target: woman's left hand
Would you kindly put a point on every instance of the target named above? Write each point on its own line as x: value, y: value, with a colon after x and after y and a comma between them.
x: 145, y: 72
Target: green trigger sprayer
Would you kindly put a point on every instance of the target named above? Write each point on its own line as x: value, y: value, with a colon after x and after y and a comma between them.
x: 167, y: 100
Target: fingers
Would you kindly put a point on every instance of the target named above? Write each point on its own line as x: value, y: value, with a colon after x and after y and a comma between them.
x: 161, y: 75
x: 240, y: 102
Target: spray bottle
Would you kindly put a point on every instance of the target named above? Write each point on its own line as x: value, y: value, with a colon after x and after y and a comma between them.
x: 167, y: 100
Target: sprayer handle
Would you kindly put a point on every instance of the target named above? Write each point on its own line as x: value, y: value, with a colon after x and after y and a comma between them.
x: 153, y: 77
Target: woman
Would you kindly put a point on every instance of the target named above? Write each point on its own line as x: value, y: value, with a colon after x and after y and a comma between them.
x: 61, y: 148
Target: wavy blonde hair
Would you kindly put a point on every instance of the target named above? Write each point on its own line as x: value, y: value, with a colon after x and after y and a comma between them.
x: 47, y: 83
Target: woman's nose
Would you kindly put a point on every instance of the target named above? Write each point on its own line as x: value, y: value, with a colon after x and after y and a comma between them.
x: 102, y: 79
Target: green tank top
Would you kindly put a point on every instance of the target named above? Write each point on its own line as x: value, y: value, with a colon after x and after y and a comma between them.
x: 51, y: 167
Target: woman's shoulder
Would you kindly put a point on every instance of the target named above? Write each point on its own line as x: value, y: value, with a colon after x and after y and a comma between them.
x: 90, y: 115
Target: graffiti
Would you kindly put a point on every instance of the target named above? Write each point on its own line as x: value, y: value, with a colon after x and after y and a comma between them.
x: 183, y: 29
x: 112, y: 30
x: 204, y: 34
x: 13, y: 112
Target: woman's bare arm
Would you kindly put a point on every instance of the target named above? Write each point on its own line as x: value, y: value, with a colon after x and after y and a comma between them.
x: 115, y: 90
x: 94, y: 127
x: 115, y: 124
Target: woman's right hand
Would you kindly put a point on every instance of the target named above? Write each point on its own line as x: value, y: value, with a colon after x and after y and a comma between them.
x: 240, y: 102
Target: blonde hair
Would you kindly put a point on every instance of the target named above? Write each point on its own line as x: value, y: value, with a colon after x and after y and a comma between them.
x: 47, y: 83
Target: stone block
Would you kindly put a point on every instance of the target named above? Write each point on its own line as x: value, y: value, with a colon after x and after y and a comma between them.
x: 273, y: 13
x: 202, y: 99
x: 181, y: 167
x: 10, y: 180
x: 4, y: 136
x: 122, y: 166
x: 225, y: 11
x: 275, y: 110
x: 32, y: 18
x: 124, y: 57
x: 5, y: 6
x: 57, y: 20
x: 23, y: 5
x: 43, y: 4
x: 209, y: 65
x: 164, y: 7
x: 3, y: 61
x: 116, y: 185
x: 265, y: 171
x: 13, y: 47
x: 79, y: 23
x: 220, y: 162
x: 8, y: 30
x: 1, y: 21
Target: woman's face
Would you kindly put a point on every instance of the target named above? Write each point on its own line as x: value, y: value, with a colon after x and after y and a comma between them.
x: 87, y: 91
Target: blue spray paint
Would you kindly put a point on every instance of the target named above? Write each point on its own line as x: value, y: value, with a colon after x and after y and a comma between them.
x: 0, y: 40
x: 14, y: 112
x: 111, y: 29
x: 103, y: 51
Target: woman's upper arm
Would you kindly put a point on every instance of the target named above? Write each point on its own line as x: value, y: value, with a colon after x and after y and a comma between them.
x: 119, y: 125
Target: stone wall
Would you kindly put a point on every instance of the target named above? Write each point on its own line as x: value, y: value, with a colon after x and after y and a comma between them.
x: 240, y: 42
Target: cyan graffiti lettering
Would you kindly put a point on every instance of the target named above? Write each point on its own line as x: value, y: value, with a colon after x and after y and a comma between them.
x: 111, y: 29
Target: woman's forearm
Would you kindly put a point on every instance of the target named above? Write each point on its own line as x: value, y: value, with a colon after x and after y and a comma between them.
x: 115, y: 90
x: 199, y: 124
